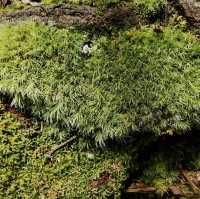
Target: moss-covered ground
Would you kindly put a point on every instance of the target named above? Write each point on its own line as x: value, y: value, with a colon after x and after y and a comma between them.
x: 27, y: 172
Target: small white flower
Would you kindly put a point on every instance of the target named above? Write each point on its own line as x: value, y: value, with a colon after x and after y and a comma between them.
x: 87, y: 49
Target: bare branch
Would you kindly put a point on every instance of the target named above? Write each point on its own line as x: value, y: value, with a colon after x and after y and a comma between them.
x: 50, y: 153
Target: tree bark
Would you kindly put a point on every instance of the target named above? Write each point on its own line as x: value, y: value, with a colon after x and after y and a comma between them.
x: 191, y: 10
x: 68, y: 15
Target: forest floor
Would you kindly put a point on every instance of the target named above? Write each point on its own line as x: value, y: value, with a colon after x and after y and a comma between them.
x: 163, y: 167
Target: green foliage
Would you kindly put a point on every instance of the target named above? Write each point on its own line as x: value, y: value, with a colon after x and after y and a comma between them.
x: 26, y: 173
x: 136, y: 81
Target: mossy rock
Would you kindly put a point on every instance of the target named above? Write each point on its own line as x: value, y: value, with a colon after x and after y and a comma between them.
x: 133, y: 82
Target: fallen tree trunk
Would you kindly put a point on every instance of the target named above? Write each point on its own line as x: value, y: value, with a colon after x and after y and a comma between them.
x: 70, y: 15
x: 63, y: 15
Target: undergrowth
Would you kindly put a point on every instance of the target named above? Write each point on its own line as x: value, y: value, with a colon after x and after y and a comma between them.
x: 134, y: 82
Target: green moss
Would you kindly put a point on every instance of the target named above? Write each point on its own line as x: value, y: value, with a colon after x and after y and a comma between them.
x: 150, y: 8
x: 136, y: 81
x: 26, y: 173
x: 15, y: 5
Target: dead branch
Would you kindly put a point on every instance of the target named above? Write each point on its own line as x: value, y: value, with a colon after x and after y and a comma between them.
x: 50, y: 153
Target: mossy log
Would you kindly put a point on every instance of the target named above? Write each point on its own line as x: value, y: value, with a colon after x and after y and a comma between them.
x: 71, y: 15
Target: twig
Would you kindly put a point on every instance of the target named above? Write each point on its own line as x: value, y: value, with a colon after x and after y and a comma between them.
x: 50, y: 153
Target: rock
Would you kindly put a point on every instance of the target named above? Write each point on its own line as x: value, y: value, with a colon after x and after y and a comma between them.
x: 191, y: 10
